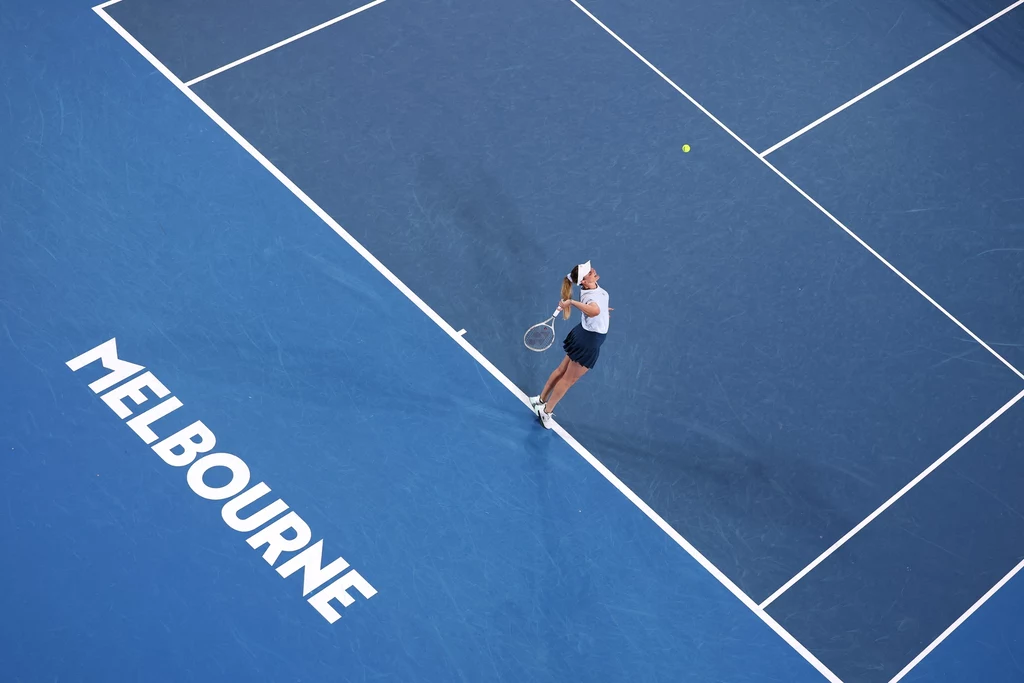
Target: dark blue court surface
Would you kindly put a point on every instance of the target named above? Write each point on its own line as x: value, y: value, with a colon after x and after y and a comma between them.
x: 767, y: 383
x: 944, y: 200
x: 921, y: 564
x: 768, y: 69
x: 744, y: 388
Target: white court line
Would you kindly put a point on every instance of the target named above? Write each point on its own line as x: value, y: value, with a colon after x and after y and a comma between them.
x: 887, y: 81
x: 108, y: 3
x: 362, y: 251
x: 796, y: 187
x: 884, y: 506
x: 697, y: 555
x: 284, y: 42
x: 461, y: 332
x: 956, y: 624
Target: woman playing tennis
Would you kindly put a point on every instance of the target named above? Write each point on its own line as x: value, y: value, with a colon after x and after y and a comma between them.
x: 583, y: 343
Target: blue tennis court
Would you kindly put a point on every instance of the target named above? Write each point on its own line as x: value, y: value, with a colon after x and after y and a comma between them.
x: 265, y: 270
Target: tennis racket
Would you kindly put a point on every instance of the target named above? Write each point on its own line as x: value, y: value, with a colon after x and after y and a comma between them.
x: 541, y: 336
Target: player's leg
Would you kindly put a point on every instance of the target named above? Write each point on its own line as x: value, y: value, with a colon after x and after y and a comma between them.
x: 572, y: 374
x: 552, y: 381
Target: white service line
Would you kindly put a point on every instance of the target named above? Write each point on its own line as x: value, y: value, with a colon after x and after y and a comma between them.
x: 796, y: 187
x: 575, y: 445
x: 956, y: 624
x: 884, y: 506
x: 887, y: 81
x: 282, y: 43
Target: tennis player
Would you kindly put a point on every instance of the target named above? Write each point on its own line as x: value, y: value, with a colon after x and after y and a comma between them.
x: 583, y: 343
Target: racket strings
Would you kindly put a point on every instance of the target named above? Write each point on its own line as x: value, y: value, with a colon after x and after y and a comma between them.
x: 539, y: 337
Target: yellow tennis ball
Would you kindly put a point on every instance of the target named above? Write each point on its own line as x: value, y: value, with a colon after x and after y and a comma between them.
x: 686, y: 148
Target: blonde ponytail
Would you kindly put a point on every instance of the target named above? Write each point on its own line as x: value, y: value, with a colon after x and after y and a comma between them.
x: 567, y: 293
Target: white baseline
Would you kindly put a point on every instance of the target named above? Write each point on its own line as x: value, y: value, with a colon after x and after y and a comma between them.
x: 472, y: 351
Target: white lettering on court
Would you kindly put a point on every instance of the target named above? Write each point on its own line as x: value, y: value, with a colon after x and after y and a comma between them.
x: 269, y: 527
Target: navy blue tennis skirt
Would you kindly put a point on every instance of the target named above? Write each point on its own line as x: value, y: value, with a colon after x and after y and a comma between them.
x: 583, y: 346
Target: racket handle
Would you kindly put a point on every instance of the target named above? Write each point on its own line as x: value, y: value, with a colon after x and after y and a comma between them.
x: 557, y: 311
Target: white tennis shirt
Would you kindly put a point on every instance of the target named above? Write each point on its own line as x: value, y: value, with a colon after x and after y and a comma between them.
x: 598, y: 323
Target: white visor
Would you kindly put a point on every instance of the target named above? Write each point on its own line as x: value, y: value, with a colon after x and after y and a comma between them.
x: 581, y: 272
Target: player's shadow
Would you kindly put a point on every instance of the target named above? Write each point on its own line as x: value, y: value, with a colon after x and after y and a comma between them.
x: 489, y: 269
x: 734, y: 499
